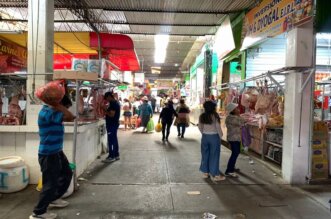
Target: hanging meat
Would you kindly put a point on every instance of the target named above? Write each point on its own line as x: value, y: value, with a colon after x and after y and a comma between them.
x: 14, y: 108
x: 100, y: 105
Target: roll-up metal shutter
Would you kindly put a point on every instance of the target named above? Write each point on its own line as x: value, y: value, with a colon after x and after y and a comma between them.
x: 269, y: 55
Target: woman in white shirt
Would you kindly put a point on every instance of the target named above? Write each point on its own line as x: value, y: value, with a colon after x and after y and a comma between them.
x: 210, y: 128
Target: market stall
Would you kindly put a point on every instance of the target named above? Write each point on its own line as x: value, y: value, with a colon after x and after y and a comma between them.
x: 262, y: 108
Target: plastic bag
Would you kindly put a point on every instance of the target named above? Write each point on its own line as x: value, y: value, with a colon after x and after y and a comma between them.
x: 51, y: 93
x: 158, y: 127
x: 246, y: 136
x: 138, y: 122
x: 150, y: 125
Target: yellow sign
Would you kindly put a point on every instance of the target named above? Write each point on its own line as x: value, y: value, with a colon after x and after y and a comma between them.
x: 274, y: 17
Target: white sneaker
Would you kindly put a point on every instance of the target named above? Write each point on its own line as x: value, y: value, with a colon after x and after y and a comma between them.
x: 59, y: 203
x: 43, y: 216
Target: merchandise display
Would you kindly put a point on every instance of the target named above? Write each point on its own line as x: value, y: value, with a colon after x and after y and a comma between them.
x: 320, y: 161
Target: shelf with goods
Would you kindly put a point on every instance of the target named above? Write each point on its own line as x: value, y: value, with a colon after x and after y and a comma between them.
x: 320, y: 151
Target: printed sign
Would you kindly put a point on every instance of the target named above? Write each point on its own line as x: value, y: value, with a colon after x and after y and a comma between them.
x: 12, y: 57
x: 274, y: 17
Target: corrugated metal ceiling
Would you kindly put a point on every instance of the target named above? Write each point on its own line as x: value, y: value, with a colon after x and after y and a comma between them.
x: 139, y: 18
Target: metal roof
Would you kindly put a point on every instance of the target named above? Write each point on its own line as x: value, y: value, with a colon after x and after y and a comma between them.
x: 184, y: 20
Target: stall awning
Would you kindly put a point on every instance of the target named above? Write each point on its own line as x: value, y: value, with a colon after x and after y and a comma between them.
x: 120, y: 49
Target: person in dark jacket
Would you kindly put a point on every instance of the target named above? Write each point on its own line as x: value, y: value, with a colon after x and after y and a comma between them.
x: 182, y: 120
x: 166, y: 117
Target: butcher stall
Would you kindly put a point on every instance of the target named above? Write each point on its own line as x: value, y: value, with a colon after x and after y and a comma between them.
x: 84, y: 140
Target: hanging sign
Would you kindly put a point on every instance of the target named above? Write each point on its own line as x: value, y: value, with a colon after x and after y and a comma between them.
x: 274, y: 17
x: 224, y: 42
x: 12, y: 57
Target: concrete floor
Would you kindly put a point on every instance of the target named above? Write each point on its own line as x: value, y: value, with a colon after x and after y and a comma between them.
x: 152, y: 180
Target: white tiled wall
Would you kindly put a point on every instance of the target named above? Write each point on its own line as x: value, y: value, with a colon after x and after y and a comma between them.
x: 25, y: 145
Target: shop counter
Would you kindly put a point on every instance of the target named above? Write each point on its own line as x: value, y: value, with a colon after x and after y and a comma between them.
x: 23, y: 141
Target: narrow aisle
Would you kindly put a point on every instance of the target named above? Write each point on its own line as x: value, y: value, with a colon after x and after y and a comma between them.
x: 152, y: 180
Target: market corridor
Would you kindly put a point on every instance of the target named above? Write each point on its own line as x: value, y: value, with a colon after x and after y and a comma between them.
x: 152, y: 180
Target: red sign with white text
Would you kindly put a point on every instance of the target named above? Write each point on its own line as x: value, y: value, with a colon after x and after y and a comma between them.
x: 12, y: 57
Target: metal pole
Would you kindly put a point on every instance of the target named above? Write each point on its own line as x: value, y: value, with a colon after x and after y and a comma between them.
x: 323, y: 97
x: 74, y: 146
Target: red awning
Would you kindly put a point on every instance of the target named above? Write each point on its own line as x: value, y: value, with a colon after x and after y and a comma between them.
x: 126, y: 60
x: 120, y: 49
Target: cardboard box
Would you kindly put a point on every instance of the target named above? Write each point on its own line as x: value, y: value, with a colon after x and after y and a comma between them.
x: 75, y: 75
x: 320, y: 170
x: 320, y: 174
x: 318, y: 135
x: 320, y: 155
x: 320, y: 144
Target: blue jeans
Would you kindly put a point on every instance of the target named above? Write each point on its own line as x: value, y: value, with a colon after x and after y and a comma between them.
x: 235, y: 148
x: 183, y: 126
x: 210, y: 152
x: 112, y: 141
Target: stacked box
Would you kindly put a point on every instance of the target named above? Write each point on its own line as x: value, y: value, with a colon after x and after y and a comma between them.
x: 320, y: 161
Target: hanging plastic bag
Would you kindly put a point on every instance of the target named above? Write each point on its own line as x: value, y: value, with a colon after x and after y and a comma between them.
x: 158, y: 127
x: 245, y: 136
x: 138, y: 122
x: 51, y: 93
x: 150, y: 125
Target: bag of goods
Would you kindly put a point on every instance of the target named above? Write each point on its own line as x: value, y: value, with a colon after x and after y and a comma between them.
x: 158, y: 127
x: 51, y: 93
x: 138, y: 122
x: 150, y: 125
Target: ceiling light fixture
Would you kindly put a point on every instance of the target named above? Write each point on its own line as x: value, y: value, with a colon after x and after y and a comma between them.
x: 161, y: 44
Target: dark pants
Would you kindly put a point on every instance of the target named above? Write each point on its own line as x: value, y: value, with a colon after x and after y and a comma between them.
x: 235, y: 147
x: 183, y: 126
x: 112, y: 141
x: 166, y: 125
x: 56, y: 177
x: 153, y: 108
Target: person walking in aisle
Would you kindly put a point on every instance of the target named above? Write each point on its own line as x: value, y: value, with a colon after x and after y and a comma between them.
x: 56, y: 173
x: 182, y: 120
x: 153, y: 103
x: 233, y: 124
x: 166, y: 117
x: 210, y: 128
x: 145, y: 113
x: 113, y: 113
x: 127, y: 108
x: 158, y: 104
x: 136, y: 106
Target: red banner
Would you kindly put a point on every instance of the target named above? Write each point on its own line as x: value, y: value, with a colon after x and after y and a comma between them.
x: 12, y: 57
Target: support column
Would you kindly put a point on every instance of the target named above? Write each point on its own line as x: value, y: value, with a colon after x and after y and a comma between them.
x: 40, y: 50
x: 298, y: 107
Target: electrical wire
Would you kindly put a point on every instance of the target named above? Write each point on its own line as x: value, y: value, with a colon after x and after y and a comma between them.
x: 70, y: 29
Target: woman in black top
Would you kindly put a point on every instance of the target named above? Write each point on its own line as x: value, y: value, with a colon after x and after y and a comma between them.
x: 166, y: 117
